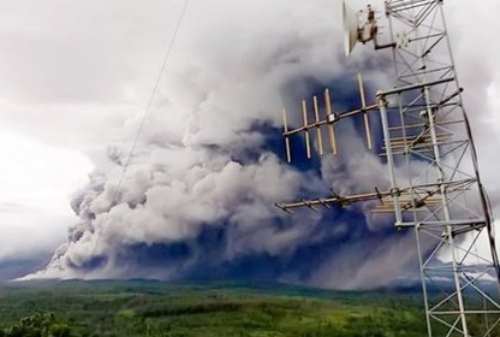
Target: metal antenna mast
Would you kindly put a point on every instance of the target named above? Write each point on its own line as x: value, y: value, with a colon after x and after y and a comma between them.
x: 435, y: 186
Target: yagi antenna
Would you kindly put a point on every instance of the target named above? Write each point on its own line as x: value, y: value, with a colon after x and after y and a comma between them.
x: 331, y: 118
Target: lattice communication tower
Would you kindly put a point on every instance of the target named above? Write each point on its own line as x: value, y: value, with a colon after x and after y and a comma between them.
x: 435, y: 187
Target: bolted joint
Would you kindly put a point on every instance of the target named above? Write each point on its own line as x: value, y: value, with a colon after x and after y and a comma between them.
x: 395, y: 192
x: 381, y: 100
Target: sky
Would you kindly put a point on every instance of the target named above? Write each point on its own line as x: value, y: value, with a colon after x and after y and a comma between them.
x: 76, y: 79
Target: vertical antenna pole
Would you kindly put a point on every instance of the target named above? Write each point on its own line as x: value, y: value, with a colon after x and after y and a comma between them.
x: 382, y: 104
x: 329, y: 115
x: 306, y: 132
x: 287, y: 138
x: 365, y: 115
x: 318, y: 128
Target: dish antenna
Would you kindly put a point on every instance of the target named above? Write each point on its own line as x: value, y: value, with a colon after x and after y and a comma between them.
x: 351, y: 28
x: 357, y: 31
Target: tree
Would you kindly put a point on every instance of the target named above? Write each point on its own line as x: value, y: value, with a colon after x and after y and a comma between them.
x: 39, y: 325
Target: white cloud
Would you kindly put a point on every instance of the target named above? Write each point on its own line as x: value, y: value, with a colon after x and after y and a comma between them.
x: 37, y: 182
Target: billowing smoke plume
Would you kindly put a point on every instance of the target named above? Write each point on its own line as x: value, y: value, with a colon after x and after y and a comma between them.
x: 197, y: 200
